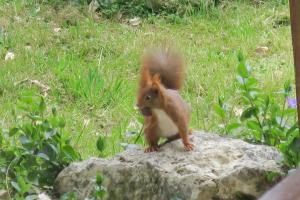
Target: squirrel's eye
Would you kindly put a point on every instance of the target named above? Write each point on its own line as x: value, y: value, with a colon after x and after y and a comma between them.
x: 148, y: 97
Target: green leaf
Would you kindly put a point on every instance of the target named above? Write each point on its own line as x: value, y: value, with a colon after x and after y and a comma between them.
x: 42, y: 106
x: 54, y: 111
x: 13, y: 131
x: 100, y: 143
x: 16, y: 186
x: 99, y: 179
x: 272, y: 176
x: 44, y: 156
x: 287, y: 88
x: 240, y: 56
x: 24, y: 139
x: 232, y: 126
x: 241, y: 80
x: 251, y: 82
x: 242, y: 70
x: 292, y: 129
x: 249, y: 112
x: 61, y: 122
x: 220, y: 101
x: 33, y: 177
x: 290, y: 111
x: 71, y: 153
x: 295, y: 145
x: 220, y: 111
x: 253, y: 94
x: 254, y: 125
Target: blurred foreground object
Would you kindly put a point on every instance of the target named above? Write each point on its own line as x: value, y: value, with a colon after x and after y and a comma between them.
x: 287, y: 189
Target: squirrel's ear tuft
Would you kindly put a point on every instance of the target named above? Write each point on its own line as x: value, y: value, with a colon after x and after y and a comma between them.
x: 156, y: 78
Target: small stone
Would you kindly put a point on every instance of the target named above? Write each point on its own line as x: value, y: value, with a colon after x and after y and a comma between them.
x: 4, y: 195
x: 9, y: 56
x: 130, y: 134
x: 43, y: 196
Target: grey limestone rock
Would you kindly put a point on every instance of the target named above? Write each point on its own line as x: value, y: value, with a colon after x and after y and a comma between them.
x: 220, y: 168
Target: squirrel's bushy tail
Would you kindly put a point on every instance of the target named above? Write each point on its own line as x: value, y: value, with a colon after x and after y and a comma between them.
x: 165, y: 62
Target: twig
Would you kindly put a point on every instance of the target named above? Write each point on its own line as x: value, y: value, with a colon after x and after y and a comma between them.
x: 44, y: 87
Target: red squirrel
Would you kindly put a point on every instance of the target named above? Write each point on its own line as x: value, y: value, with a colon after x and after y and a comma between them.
x: 165, y: 113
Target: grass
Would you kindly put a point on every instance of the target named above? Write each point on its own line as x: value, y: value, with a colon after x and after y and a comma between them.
x: 91, y: 64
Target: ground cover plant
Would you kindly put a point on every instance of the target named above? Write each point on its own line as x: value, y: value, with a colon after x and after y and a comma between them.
x: 85, y: 64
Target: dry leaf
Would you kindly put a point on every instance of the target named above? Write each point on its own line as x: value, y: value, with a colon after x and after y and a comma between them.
x: 56, y: 30
x: 262, y: 50
x: 237, y: 111
x: 86, y: 122
x: 135, y: 21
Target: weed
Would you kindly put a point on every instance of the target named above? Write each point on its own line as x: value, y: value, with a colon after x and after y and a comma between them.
x: 263, y: 118
x: 34, y: 150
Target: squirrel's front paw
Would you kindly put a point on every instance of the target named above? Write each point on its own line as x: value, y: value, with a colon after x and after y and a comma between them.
x: 151, y: 149
x: 188, y: 146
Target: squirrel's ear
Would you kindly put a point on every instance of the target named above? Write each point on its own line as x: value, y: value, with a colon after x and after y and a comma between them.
x: 156, y: 78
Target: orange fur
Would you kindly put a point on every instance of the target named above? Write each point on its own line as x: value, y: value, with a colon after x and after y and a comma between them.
x: 159, y: 99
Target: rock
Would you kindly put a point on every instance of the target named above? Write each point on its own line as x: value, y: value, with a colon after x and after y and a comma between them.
x: 43, y: 196
x: 218, y: 168
x: 4, y: 194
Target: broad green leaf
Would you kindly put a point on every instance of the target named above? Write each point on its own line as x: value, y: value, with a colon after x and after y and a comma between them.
x: 241, y: 80
x: 99, y: 179
x: 33, y: 177
x: 290, y: 112
x: 13, y: 131
x: 242, y: 70
x: 249, y: 112
x: 100, y: 143
x: 254, y: 125
x: 16, y: 186
x: 71, y: 153
x: 54, y: 111
x: 287, y: 87
x: 61, y: 122
x: 220, y: 111
x: 44, y: 156
x: 24, y: 139
x: 292, y: 129
x: 240, y: 56
x: 232, y: 126
x: 295, y: 145
x: 42, y: 105
x: 251, y: 82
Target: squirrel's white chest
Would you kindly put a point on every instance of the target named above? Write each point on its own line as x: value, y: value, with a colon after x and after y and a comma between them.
x: 166, y: 125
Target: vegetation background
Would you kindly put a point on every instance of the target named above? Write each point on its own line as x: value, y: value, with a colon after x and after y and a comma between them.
x: 83, y: 58
x: 91, y: 63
